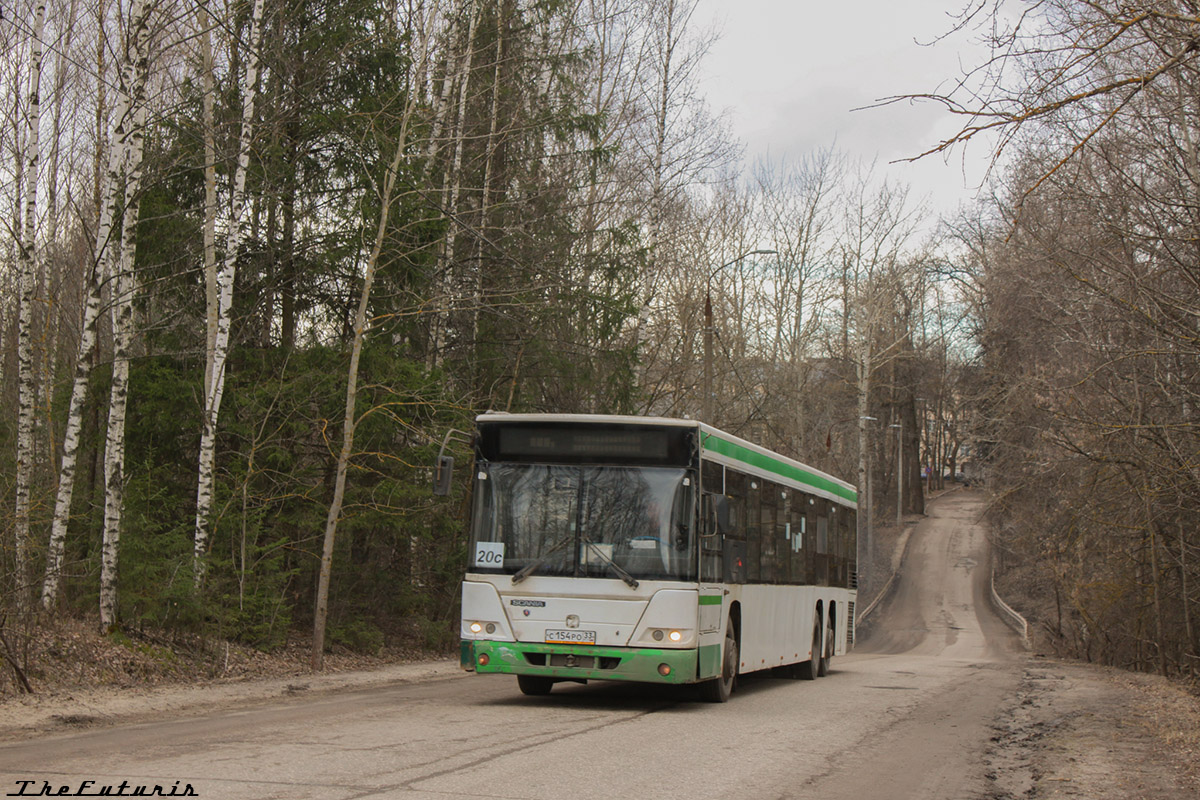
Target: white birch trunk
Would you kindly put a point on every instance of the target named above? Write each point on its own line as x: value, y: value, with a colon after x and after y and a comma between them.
x: 215, y: 385
x: 464, y: 84
x: 441, y: 106
x: 205, y: 21
x: 321, y: 612
x: 124, y: 290
x: 110, y: 197
x: 441, y: 102
x: 27, y: 270
x: 442, y: 317
x: 485, y: 194
x: 52, y: 268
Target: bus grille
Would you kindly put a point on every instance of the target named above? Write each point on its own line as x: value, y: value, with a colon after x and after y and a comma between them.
x: 572, y: 660
x: 850, y: 627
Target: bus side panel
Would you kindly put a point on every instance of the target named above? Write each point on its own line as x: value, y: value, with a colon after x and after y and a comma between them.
x: 776, y: 625
x: 845, y: 600
x: 777, y: 622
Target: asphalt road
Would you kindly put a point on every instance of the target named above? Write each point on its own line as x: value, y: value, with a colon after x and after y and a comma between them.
x: 908, y: 714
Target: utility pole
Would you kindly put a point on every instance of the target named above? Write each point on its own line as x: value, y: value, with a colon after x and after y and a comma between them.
x: 865, y: 539
x: 708, y: 365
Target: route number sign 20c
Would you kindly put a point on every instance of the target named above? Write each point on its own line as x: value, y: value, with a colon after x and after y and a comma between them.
x: 489, y: 554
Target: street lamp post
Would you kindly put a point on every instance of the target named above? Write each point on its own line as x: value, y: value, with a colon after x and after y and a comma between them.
x: 708, y: 331
x: 922, y: 441
x: 899, y: 474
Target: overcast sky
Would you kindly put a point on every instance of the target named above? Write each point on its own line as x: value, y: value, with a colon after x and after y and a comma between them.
x: 789, y: 72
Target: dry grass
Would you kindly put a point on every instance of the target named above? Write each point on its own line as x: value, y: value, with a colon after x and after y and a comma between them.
x: 1173, y: 709
x: 63, y: 655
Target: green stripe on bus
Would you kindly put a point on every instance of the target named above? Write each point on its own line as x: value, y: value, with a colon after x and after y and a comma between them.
x: 710, y: 599
x: 765, y: 462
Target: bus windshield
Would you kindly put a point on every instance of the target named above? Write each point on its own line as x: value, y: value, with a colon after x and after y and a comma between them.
x: 584, y: 521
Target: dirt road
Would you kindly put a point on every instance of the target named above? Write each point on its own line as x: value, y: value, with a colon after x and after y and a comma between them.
x: 939, y: 702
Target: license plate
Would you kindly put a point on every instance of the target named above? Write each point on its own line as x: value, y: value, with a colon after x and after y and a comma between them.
x: 570, y: 637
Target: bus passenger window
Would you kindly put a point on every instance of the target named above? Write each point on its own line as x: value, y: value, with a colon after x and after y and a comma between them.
x: 783, y: 551
x: 799, y: 544
x: 752, y: 492
x: 768, y: 553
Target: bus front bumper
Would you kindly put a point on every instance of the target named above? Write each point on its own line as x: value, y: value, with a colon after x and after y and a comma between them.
x: 580, y: 662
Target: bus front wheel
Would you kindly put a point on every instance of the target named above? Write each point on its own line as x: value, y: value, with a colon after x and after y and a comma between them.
x: 718, y: 690
x: 534, y: 685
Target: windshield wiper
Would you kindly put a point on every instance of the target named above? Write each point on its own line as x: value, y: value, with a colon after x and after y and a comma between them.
x: 528, y: 569
x: 624, y: 575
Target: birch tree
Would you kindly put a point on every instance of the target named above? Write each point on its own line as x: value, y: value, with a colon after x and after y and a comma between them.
x: 125, y: 287
x: 219, y: 349
x: 205, y: 22
x: 453, y: 176
x: 112, y: 196
x: 27, y: 261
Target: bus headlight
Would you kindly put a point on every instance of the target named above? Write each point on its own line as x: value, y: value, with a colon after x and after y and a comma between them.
x: 476, y: 627
x: 675, y: 636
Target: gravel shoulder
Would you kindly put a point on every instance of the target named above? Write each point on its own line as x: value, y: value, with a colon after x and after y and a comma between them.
x: 62, y: 710
x: 1079, y: 731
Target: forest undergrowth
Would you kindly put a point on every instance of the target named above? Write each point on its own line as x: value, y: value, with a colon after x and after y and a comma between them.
x: 69, y: 654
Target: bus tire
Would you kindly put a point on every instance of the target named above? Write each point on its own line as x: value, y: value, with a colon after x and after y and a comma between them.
x: 826, y: 651
x: 534, y: 685
x: 719, y: 689
x: 809, y: 670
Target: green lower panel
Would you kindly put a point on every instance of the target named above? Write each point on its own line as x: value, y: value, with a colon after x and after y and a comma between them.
x: 466, y: 655
x: 600, y: 663
x: 710, y: 661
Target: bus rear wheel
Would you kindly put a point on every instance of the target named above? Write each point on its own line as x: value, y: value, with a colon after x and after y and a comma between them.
x: 718, y: 690
x: 534, y: 685
x: 809, y: 670
x: 826, y: 651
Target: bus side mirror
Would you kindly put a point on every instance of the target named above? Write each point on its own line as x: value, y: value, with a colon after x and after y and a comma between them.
x: 442, y: 475
x: 716, y: 515
x: 444, y: 469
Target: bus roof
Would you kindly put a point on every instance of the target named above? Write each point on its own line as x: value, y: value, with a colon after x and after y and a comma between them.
x: 718, y: 445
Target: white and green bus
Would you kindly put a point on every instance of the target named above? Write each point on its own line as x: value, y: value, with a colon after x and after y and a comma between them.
x: 653, y: 550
